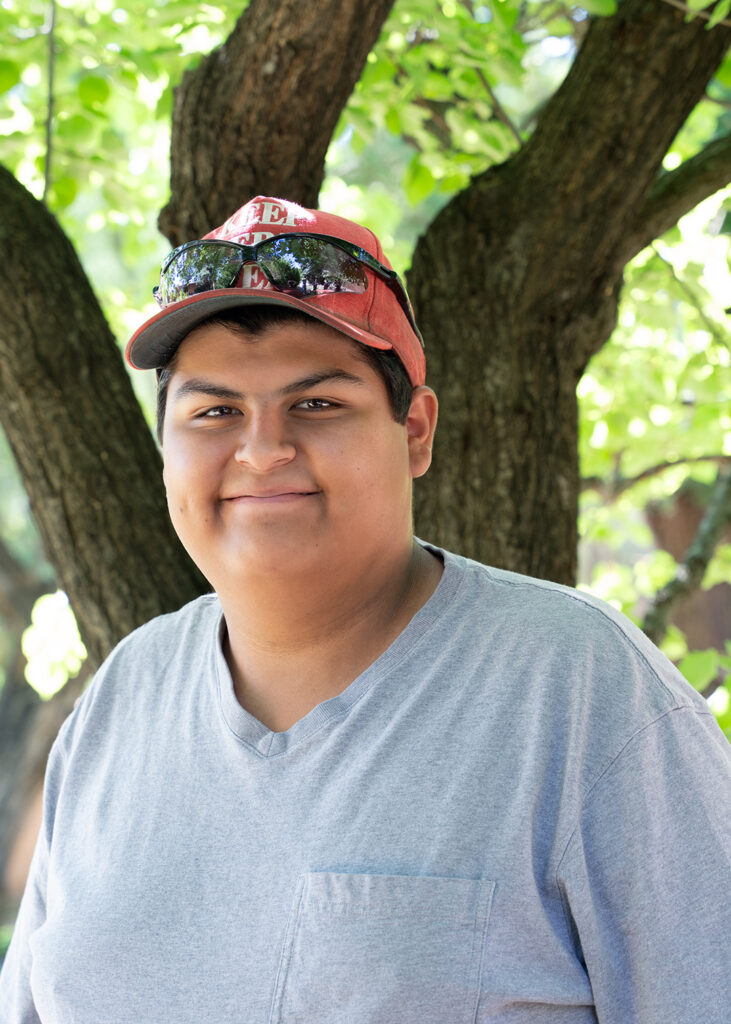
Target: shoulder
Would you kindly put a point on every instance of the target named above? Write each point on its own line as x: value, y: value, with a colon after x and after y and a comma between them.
x: 558, y: 665
x: 166, y: 637
x: 552, y: 623
x: 571, y: 678
x: 147, y: 666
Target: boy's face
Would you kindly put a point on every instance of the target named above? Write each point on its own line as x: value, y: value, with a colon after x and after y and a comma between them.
x: 282, y: 455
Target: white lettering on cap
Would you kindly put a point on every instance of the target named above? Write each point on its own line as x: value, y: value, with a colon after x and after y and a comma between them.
x: 241, y: 219
x: 252, y: 237
x: 278, y: 215
x: 252, y: 277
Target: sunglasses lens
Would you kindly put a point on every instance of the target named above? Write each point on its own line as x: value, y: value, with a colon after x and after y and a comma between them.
x: 310, y: 266
x: 199, y: 268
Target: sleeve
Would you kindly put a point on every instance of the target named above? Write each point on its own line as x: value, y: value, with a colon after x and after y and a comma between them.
x: 647, y: 872
x: 16, y: 998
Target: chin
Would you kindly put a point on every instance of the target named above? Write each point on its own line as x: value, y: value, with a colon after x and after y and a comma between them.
x: 268, y: 559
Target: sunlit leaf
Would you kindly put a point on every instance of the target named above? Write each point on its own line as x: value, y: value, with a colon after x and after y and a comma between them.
x: 9, y: 75
x: 63, y: 191
x: 77, y: 128
x: 603, y: 8
x: 52, y: 645
x: 719, y: 12
x: 699, y: 667
x: 719, y: 569
x: 93, y: 90
x: 418, y: 182
x: 393, y: 121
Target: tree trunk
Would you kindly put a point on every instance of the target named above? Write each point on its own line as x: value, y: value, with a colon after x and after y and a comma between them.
x: 257, y: 115
x: 87, y: 458
x: 516, y: 285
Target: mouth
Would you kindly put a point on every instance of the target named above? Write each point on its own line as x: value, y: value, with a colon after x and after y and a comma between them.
x: 269, y: 497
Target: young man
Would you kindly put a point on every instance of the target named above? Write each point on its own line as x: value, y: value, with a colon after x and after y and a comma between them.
x: 365, y: 781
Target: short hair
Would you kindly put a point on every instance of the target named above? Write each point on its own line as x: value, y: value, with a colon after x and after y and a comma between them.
x: 257, y: 319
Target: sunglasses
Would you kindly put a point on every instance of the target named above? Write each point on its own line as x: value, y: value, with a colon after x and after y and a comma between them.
x: 298, y: 264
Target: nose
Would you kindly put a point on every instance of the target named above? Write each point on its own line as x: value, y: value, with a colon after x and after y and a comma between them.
x: 264, y: 444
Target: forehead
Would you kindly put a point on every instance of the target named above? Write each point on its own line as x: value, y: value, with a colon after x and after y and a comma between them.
x: 276, y: 350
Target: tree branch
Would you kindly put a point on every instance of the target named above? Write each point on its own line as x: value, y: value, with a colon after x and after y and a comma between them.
x: 676, y: 192
x: 613, y: 488
x: 498, y: 107
x: 691, y: 570
x: 703, y: 15
x: 692, y: 298
x: 257, y: 115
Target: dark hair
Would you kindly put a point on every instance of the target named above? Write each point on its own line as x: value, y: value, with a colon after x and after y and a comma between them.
x: 257, y: 319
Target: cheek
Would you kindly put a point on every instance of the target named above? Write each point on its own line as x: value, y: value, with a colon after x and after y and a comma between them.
x: 378, y: 470
x: 187, y: 476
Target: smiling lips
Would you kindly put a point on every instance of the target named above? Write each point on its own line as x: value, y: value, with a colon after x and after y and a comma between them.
x: 269, y: 497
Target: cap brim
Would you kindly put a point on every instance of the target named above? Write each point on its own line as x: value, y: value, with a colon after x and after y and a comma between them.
x: 154, y: 343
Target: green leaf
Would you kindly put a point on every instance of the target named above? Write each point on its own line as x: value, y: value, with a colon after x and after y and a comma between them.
x: 393, y: 121
x: 93, y: 90
x: 719, y: 13
x: 700, y: 667
x: 602, y: 8
x: 64, y: 190
x: 6, y: 933
x: 559, y: 26
x: 437, y: 87
x: 76, y: 128
x: 377, y: 72
x: 505, y: 14
x: 674, y: 645
x: 719, y: 569
x: 418, y: 182
x: 9, y: 75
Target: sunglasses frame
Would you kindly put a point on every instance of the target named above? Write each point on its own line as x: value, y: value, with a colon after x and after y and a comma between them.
x: 390, y: 277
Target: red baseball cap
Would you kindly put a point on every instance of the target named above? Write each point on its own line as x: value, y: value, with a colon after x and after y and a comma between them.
x: 373, y: 317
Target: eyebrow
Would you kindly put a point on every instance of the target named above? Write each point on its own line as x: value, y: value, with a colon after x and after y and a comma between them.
x: 198, y: 386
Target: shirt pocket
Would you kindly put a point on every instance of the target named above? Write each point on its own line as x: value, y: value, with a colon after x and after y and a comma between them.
x: 382, y: 949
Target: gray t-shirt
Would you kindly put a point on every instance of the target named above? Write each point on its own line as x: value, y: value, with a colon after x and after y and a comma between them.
x: 518, y: 813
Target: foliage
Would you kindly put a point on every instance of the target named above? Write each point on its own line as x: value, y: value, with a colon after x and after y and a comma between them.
x: 719, y: 12
x: 452, y: 87
x: 52, y: 645
x: 6, y: 933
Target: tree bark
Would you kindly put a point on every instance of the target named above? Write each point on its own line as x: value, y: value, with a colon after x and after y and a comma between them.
x: 257, y: 115
x: 87, y: 458
x: 676, y: 192
x: 517, y: 280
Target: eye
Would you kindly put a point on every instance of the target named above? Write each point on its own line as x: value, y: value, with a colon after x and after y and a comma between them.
x: 316, y: 403
x: 218, y: 412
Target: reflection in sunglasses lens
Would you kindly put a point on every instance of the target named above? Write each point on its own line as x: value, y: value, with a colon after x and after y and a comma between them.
x: 298, y: 266
x: 308, y: 266
x: 200, y: 269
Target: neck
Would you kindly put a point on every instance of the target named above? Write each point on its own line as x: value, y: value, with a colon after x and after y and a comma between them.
x: 294, y: 643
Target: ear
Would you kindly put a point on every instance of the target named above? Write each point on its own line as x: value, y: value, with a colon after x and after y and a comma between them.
x: 421, y: 423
